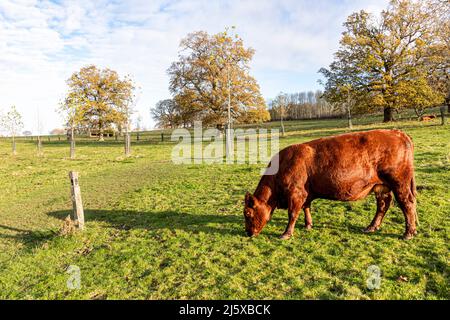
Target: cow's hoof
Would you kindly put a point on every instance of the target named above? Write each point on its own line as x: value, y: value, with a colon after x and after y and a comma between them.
x: 409, y: 235
x: 370, y: 229
x: 285, y: 236
x: 308, y: 227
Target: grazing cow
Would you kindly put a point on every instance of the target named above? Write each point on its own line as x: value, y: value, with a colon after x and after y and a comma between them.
x: 428, y: 118
x: 346, y: 167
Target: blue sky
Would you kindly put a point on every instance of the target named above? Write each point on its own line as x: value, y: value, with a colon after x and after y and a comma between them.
x: 43, y: 42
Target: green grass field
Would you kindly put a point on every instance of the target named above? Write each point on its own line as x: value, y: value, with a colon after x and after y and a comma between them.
x: 155, y: 230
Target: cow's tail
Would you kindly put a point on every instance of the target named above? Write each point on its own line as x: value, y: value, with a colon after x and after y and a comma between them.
x: 414, y: 194
x: 413, y: 188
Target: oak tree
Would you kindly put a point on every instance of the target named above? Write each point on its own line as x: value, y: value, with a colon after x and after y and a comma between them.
x: 101, y: 97
x: 167, y: 114
x: 386, y: 61
x: 212, y: 72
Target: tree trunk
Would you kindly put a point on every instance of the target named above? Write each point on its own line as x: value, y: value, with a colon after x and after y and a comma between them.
x: 39, y: 145
x: 349, y: 118
x: 127, y: 141
x: 72, y: 144
x: 228, y: 143
x: 127, y: 144
x: 447, y: 100
x: 100, y: 133
x: 349, y: 112
x: 442, y: 115
x: 388, y: 114
x: 14, y: 145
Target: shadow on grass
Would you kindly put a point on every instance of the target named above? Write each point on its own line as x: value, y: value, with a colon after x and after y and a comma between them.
x: 127, y: 219
x: 29, y: 238
x: 232, y: 225
x: 227, y: 225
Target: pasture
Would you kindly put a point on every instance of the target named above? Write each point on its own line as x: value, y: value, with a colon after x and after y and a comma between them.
x: 156, y: 230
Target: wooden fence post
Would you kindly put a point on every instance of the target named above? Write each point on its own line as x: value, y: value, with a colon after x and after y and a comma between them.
x: 127, y: 144
x: 77, y: 213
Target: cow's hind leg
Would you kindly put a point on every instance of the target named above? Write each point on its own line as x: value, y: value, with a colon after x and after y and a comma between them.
x: 384, y: 198
x: 308, y: 218
x: 407, y: 202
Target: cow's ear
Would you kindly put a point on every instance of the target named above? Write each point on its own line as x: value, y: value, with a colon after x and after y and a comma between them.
x: 249, y: 200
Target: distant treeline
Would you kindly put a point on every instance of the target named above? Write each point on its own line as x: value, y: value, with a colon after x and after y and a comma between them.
x: 302, y: 105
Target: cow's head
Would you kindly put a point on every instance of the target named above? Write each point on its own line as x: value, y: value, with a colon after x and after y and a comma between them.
x: 256, y: 213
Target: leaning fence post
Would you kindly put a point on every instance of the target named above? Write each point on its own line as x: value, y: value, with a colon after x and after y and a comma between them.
x: 77, y: 213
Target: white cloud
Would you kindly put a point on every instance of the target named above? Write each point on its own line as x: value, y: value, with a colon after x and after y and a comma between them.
x: 43, y: 42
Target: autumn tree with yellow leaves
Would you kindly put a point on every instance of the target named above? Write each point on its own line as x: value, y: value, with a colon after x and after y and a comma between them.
x: 399, y: 60
x: 439, y: 61
x: 98, y: 99
x: 211, y: 73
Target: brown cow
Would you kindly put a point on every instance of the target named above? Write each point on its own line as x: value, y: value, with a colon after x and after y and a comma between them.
x: 428, y: 118
x: 346, y: 167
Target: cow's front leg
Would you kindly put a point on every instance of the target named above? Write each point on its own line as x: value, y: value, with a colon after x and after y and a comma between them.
x: 295, y: 205
x: 293, y: 216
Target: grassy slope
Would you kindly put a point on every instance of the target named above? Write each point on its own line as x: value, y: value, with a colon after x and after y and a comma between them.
x: 157, y: 230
